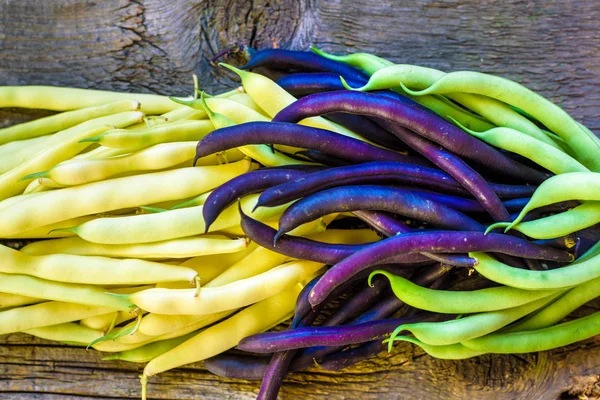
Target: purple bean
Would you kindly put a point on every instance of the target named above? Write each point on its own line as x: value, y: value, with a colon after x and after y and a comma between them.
x: 413, y: 116
x: 432, y: 242
x: 245, y: 184
x: 512, y: 191
x: 368, y: 129
x: 297, y: 136
x: 302, y: 84
x: 379, y: 198
x: 517, y: 204
x: 236, y: 366
x: 303, y: 307
x: 274, y: 374
x: 312, y: 183
x: 302, y: 61
x: 325, y: 159
x: 346, y: 358
x: 270, y: 342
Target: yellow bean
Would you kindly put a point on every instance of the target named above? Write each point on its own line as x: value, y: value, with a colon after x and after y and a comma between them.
x: 70, y: 332
x: 52, y: 230
x: 16, y: 153
x: 227, y: 334
x: 177, y: 248
x: 234, y: 295
x: 167, y: 225
x: 61, y: 121
x: 346, y: 236
x: 43, y: 314
x: 114, y: 194
x: 105, y: 321
x: 15, y: 300
x: 64, y: 99
x: 91, y: 269
x: 135, y: 140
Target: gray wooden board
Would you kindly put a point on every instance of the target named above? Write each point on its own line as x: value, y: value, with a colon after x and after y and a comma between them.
x: 154, y: 46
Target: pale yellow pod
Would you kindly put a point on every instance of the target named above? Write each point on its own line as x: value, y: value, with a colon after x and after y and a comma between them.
x: 255, y: 263
x: 167, y: 225
x: 8, y: 300
x: 228, y: 333
x: 234, y: 295
x: 105, y: 321
x: 70, y: 332
x: 218, y: 262
x: 52, y: 230
x: 91, y: 270
x: 178, y: 132
x: 61, y: 121
x: 43, y: 314
x: 63, y: 99
x: 16, y: 153
x: 114, y: 194
x: 346, y: 236
x: 176, y: 248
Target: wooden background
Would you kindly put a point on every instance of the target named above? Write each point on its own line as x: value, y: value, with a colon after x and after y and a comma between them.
x: 155, y: 46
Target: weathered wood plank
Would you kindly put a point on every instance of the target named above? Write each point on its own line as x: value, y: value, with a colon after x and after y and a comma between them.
x: 155, y: 46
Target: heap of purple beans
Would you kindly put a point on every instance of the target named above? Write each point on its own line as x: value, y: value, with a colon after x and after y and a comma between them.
x: 436, y: 163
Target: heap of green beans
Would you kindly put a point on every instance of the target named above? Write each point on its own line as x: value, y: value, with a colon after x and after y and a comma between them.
x: 118, y: 187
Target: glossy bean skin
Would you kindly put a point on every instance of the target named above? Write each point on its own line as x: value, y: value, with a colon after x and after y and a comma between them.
x: 434, y: 242
x: 297, y: 136
x: 538, y: 340
x: 300, y: 60
x: 409, y: 115
x: 370, y: 197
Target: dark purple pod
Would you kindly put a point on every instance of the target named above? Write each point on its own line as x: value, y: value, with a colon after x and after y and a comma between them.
x: 245, y: 184
x: 512, y: 191
x: 237, y: 366
x: 325, y: 159
x: 303, y: 307
x: 270, y: 342
x: 306, y: 137
x: 304, y: 61
x: 346, y: 358
x: 413, y: 116
x: 514, y: 205
x: 431, y: 242
x: 274, y: 374
x: 312, y: 183
x: 379, y: 198
x: 302, y: 84
x: 368, y: 129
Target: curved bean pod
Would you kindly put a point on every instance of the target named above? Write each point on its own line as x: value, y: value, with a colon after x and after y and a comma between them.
x: 297, y: 136
x: 565, y: 277
x: 470, y: 327
x: 366, y: 197
x: 460, y: 302
x: 248, y: 183
x: 559, y: 309
x: 538, y: 340
x: 432, y: 242
x: 300, y: 60
x: 456, y: 351
x: 582, y: 186
x: 409, y: 115
x: 562, y: 224
x: 302, y: 84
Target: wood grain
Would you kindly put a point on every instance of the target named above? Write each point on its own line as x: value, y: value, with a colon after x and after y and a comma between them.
x: 155, y: 46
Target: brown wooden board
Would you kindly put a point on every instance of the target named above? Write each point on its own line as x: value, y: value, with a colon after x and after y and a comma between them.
x: 154, y: 46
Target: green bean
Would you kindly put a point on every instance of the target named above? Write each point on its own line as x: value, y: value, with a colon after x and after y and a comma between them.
x: 43, y: 314
x: 585, y: 145
x: 59, y: 122
x: 451, y: 112
x: 96, y: 271
x: 454, y: 351
x: 179, y: 132
x: 168, y: 225
x: 459, y: 330
x: 178, y: 248
x: 581, y: 186
x: 64, y: 99
x: 369, y: 63
x: 538, y: 340
x: 151, y: 350
x: 553, y: 159
x: 560, y: 308
x: 8, y: 300
x: 115, y: 194
x: 571, y: 275
x: 69, y: 332
x: 460, y: 302
x: 51, y: 290
x: 501, y: 114
x: 557, y: 225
